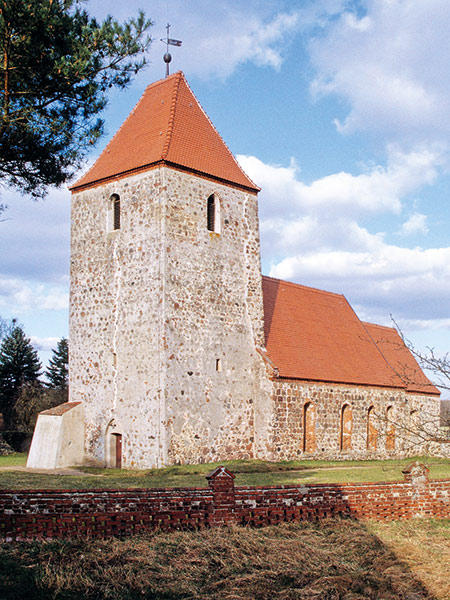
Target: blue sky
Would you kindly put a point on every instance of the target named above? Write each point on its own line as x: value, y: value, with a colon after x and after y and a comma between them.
x: 337, y: 109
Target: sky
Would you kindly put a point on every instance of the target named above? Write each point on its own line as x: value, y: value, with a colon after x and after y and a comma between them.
x: 337, y: 109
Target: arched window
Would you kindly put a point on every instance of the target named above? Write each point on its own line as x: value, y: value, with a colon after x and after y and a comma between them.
x: 309, y: 427
x: 345, y: 441
x: 213, y: 214
x: 390, y: 429
x: 372, y: 431
x: 115, y: 201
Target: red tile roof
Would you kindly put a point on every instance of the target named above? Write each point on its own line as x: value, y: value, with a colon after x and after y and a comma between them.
x: 167, y: 126
x: 316, y: 336
x: 400, y: 358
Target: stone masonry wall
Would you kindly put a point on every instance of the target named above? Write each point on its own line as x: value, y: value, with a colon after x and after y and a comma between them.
x: 115, y: 320
x: 214, y: 321
x: 165, y: 319
x: 405, y: 429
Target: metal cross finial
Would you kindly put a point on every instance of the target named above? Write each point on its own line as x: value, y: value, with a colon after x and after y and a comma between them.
x: 169, y: 42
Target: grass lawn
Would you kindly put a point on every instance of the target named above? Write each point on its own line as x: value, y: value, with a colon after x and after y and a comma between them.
x: 250, y: 472
x: 331, y: 560
x: 13, y: 460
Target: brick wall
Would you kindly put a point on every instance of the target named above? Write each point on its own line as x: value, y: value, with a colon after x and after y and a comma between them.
x: 26, y: 514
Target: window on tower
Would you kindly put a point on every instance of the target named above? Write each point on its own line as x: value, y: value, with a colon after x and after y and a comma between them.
x: 113, y: 223
x: 213, y: 214
x: 115, y: 199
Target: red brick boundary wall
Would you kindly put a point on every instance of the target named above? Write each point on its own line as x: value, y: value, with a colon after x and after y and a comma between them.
x: 27, y: 514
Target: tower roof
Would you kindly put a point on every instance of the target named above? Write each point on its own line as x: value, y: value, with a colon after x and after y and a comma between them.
x: 167, y: 126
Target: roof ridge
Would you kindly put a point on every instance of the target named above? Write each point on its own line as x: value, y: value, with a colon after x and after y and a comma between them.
x: 220, y: 136
x: 164, y: 80
x: 306, y: 287
x: 173, y: 106
x: 378, y: 325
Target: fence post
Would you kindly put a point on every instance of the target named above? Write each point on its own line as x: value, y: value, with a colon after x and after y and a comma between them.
x: 416, y: 474
x: 221, y: 483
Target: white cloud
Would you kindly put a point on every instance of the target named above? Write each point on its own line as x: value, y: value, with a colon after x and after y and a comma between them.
x: 312, y: 242
x: 248, y: 40
x: 391, y: 65
x: 45, y: 344
x: 417, y: 223
x: 217, y: 36
x: 378, y: 189
x: 22, y: 296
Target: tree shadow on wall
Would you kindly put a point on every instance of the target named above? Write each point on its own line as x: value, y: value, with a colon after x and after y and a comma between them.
x: 326, y: 560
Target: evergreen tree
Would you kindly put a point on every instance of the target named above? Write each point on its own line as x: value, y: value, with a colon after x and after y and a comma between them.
x: 57, y: 65
x: 57, y: 372
x: 19, y: 364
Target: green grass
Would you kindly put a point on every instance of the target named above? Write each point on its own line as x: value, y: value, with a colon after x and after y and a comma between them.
x: 250, y: 472
x: 331, y: 560
x: 13, y: 460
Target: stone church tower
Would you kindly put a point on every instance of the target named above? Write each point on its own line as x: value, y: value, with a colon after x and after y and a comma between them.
x: 166, y: 311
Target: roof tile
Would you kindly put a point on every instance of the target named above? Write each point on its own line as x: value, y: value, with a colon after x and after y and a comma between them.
x: 315, y: 335
x: 399, y: 357
x: 168, y: 125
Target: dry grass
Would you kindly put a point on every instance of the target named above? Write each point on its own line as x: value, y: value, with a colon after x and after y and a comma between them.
x: 424, y: 548
x: 327, y: 561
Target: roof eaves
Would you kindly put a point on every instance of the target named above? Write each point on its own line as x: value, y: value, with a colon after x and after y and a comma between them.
x: 159, y: 163
x: 342, y: 382
x: 90, y: 184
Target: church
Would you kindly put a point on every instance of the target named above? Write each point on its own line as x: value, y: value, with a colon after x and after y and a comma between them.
x: 180, y: 350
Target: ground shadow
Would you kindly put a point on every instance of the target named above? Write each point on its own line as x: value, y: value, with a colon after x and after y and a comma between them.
x: 331, y: 559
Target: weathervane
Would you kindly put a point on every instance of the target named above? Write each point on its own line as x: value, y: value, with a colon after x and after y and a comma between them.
x: 169, y: 42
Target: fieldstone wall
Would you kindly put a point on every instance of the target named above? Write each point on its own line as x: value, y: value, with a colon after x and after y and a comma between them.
x: 213, y: 319
x: 165, y: 320
x: 116, y: 334
x: 343, y: 421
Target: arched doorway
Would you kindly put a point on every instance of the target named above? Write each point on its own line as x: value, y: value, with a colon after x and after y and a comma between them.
x: 346, y: 428
x: 309, y: 428
x: 372, y: 431
x: 113, y: 446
